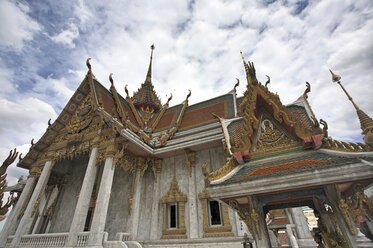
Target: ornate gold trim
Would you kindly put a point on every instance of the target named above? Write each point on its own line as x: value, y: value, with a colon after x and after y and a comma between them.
x: 244, y: 215
x: 336, y: 145
x: 174, y: 195
x: 190, y: 160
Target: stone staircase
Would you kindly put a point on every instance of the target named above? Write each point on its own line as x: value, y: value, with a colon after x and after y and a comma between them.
x: 363, y: 242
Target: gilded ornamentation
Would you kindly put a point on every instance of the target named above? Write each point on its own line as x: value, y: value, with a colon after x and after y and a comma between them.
x: 244, y: 215
x: 157, y: 167
x: 336, y: 145
x: 174, y: 195
x: 190, y: 160
x: 205, y: 175
x: 100, y: 157
x: 223, y: 171
x: 248, y: 111
x: 142, y: 165
x: 255, y: 218
x: 272, y: 140
x: 337, y: 240
x: 130, y: 201
x: 217, y: 231
x: 344, y: 210
x: 163, y: 137
x: 11, y: 199
x: 359, y: 205
x: 36, y: 171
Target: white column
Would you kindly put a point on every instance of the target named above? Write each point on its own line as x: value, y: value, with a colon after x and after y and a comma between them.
x: 192, y: 204
x: 26, y: 221
x: 11, y: 222
x: 80, y: 214
x: 103, y: 198
x: 136, y: 205
x: 155, y: 209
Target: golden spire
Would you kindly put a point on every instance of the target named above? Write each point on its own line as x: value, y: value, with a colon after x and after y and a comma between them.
x: 366, y: 123
x: 245, y: 64
x: 149, y: 74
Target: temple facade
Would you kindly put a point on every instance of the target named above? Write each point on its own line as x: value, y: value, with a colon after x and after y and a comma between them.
x: 130, y: 171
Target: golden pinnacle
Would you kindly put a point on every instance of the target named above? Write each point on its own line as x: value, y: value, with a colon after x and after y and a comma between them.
x: 335, y: 77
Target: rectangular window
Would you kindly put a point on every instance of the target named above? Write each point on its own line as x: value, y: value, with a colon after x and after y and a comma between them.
x: 88, y: 220
x: 173, y: 215
x: 44, y: 224
x: 215, y: 214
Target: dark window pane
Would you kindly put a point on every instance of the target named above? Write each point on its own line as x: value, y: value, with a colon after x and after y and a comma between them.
x: 88, y: 220
x: 215, y: 213
x: 173, y: 216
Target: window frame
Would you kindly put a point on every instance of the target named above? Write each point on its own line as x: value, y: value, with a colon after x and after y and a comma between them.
x: 210, y: 216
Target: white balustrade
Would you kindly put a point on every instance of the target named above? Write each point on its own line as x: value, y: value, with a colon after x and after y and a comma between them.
x: 9, y: 241
x: 43, y: 240
x: 83, y: 239
x: 123, y: 236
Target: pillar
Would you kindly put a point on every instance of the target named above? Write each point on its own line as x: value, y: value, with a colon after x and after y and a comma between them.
x: 103, y: 197
x: 301, y: 226
x: 192, y: 204
x: 81, y: 209
x: 333, y: 199
x: 26, y: 221
x: 155, y: 209
x: 11, y: 222
x: 136, y: 205
x: 261, y: 236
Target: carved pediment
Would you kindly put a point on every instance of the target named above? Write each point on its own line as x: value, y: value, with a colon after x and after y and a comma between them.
x: 272, y: 138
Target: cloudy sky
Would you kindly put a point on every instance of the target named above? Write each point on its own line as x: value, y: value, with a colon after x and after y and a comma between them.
x: 44, y: 45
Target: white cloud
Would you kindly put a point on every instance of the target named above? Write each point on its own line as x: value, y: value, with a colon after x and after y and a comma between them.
x: 66, y: 37
x: 16, y: 26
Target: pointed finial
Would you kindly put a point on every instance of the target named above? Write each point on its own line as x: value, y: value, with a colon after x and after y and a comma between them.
x: 88, y: 64
x: 149, y: 74
x: 307, y: 90
x: 237, y: 84
x: 126, y: 90
x: 335, y: 77
x: 245, y: 64
x: 268, y: 81
x: 111, y: 79
x: 189, y: 94
x: 169, y: 99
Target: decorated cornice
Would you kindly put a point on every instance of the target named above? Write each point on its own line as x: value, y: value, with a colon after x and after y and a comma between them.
x: 62, y: 120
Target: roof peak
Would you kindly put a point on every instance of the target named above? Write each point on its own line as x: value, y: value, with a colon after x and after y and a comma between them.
x: 145, y: 95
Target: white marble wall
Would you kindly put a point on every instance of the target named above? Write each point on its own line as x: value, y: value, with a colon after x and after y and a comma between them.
x: 68, y: 198
x: 118, y: 211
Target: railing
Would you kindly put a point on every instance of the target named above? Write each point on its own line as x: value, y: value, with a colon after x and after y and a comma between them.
x: 82, y: 239
x: 9, y: 241
x: 123, y: 236
x: 46, y: 240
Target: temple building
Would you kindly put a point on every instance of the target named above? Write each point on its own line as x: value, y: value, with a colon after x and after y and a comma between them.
x: 131, y: 171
